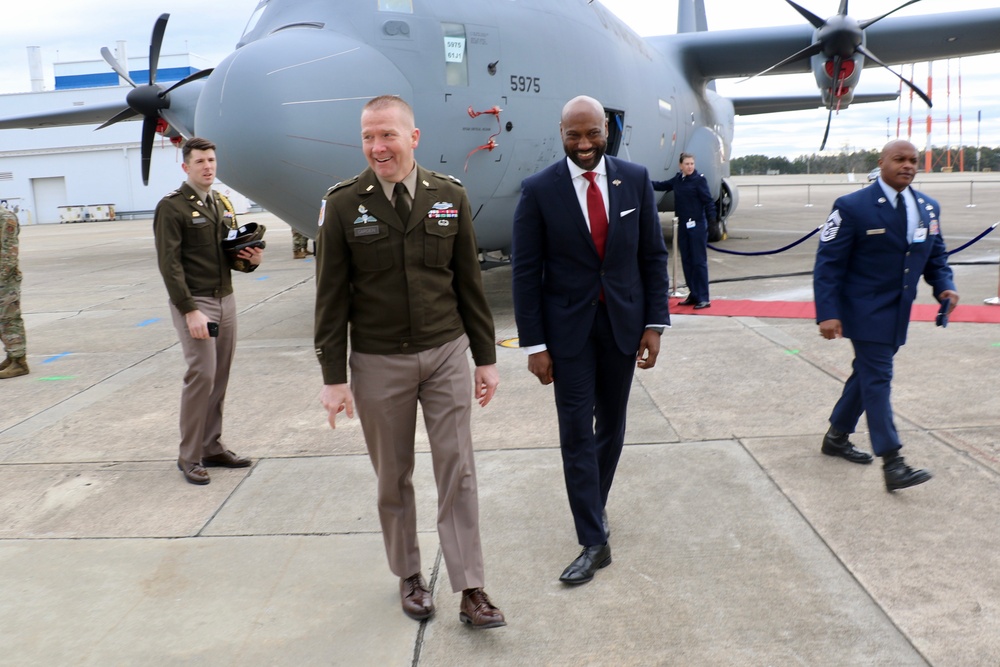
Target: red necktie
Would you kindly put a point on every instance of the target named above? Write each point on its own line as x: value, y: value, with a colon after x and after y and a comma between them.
x: 597, y: 213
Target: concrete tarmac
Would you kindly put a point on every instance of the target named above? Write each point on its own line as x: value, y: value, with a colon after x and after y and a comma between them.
x: 735, y: 541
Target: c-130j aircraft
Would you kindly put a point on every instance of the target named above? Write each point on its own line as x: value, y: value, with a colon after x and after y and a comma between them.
x: 487, y: 80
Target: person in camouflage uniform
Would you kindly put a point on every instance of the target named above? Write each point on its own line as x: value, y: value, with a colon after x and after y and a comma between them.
x: 11, y: 324
x: 300, y: 245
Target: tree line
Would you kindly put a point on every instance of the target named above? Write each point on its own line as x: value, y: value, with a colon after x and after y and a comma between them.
x: 859, y: 162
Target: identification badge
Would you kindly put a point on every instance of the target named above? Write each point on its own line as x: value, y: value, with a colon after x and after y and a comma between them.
x: 691, y: 224
x: 920, y: 235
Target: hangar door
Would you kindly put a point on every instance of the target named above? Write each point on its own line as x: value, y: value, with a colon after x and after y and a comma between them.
x: 50, y: 194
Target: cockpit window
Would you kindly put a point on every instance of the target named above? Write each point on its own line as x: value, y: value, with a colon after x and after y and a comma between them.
x: 252, y: 23
x: 399, y: 6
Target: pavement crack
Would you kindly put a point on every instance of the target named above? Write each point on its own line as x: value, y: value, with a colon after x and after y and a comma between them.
x: 418, y: 645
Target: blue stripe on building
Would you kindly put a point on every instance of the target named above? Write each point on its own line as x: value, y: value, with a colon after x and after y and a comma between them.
x: 103, y: 79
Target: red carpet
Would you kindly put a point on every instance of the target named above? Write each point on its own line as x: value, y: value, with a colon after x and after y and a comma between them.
x: 806, y: 310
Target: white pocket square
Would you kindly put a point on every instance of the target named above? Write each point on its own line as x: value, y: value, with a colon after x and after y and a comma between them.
x: 624, y: 213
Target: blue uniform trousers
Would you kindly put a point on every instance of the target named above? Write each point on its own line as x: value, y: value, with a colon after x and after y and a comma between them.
x: 867, y: 390
x: 693, y: 246
x: 591, y: 393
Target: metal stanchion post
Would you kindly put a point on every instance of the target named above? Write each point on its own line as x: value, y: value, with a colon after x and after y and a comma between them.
x: 673, y: 267
x: 971, y: 204
x: 758, y: 197
x: 993, y: 300
x: 809, y: 198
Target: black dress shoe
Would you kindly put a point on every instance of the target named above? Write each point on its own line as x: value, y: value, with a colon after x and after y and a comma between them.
x: 605, y: 524
x: 702, y: 304
x: 898, y: 475
x: 836, y: 443
x: 687, y: 302
x: 590, y: 560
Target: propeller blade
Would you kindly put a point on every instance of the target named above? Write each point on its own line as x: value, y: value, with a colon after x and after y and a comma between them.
x: 865, y: 24
x: 200, y: 74
x: 146, y: 147
x: 124, y: 114
x: 115, y: 65
x: 816, y: 21
x: 154, y: 45
x: 843, y: 8
x: 871, y: 56
x: 807, y: 52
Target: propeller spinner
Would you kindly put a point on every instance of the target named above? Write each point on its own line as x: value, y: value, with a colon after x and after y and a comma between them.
x: 150, y: 99
x: 840, y: 40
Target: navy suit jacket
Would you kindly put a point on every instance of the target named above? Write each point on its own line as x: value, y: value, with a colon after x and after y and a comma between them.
x: 558, y: 275
x: 866, y: 273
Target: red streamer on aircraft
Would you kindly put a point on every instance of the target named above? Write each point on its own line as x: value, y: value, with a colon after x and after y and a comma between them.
x: 491, y: 143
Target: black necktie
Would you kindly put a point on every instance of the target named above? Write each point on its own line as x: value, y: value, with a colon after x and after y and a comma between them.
x: 402, y: 207
x: 901, y: 212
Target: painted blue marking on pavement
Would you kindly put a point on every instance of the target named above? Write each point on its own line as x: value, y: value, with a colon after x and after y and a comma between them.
x: 55, y: 357
x: 148, y: 322
x: 262, y: 278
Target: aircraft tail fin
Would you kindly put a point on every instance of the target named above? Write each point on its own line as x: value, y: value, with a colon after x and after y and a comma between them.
x: 691, y: 16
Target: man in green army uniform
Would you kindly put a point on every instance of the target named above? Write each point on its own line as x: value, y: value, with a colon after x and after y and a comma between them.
x: 397, y: 260
x: 11, y: 324
x: 188, y: 226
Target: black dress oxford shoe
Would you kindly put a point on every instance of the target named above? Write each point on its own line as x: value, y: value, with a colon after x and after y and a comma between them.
x: 688, y: 301
x: 898, y: 475
x: 836, y: 443
x: 702, y: 304
x: 590, y: 560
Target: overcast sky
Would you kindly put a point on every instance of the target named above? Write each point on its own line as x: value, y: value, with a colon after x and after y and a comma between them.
x: 70, y: 30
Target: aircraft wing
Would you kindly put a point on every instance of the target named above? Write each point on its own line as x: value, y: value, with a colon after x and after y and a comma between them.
x: 749, y: 106
x: 724, y: 54
x: 91, y: 114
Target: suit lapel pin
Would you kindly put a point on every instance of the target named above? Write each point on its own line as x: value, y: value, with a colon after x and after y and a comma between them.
x: 881, y: 200
x: 616, y: 182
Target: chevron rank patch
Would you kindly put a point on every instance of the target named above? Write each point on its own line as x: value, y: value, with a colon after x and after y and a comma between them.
x: 831, y: 227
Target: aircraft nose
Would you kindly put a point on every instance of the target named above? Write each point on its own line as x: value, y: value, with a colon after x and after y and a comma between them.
x: 293, y: 100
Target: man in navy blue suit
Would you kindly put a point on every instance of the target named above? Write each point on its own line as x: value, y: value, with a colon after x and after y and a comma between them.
x: 874, y: 247
x: 590, y: 301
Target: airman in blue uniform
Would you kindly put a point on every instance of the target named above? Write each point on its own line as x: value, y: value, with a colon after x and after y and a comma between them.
x: 874, y: 248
